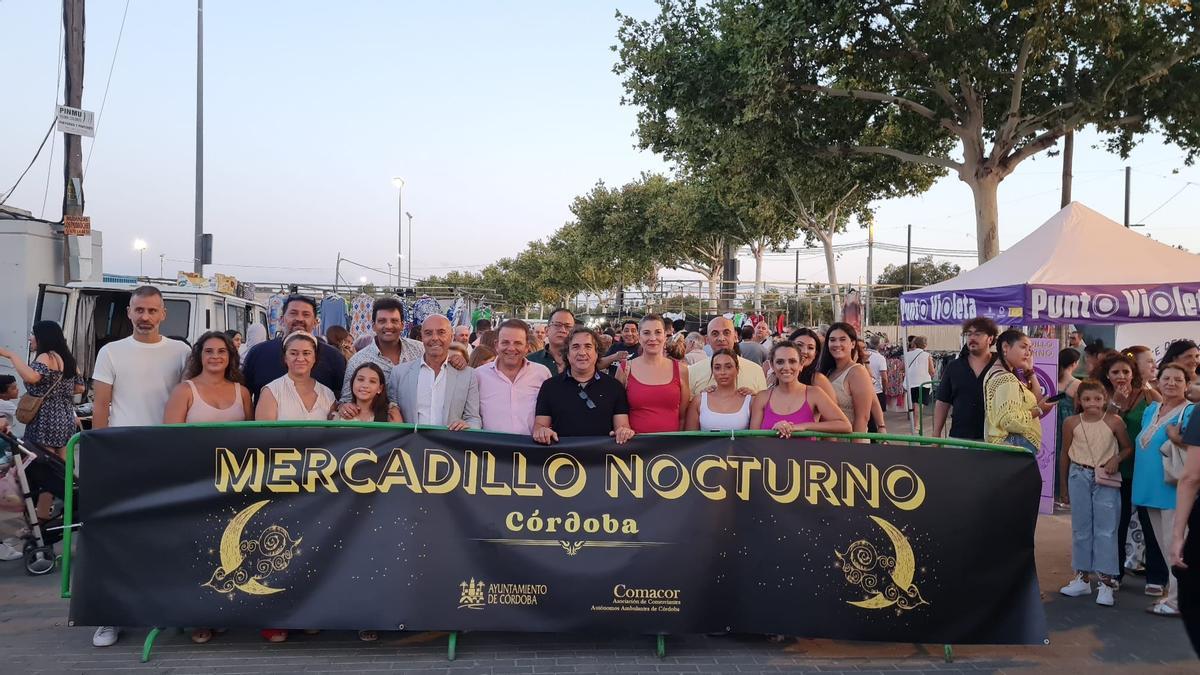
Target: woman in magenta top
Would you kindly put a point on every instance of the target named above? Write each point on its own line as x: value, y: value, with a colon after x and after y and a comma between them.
x: 791, y: 407
x: 656, y: 385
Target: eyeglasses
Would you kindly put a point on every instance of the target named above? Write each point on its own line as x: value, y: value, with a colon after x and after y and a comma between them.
x: 563, y: 326
x: 974, y: 333
x: 587, y: 399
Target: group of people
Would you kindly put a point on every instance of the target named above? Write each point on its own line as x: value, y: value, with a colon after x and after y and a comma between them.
x: 560, y: 380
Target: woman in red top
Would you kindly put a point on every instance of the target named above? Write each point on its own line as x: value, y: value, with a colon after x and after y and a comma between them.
x: 656, y: 385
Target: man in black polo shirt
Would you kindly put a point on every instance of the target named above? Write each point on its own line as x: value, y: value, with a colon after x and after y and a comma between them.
x: 581, y: 401
x: 961, y: 388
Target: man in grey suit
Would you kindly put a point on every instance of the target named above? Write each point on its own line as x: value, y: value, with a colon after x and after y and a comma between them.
x: 430, y: 392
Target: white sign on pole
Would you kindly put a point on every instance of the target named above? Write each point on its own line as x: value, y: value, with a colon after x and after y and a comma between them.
x: 76, y: 121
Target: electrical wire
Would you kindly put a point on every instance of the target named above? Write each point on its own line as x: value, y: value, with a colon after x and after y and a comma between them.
x: 104, y: 99
x: 35, y: 156
x: 1169, y: 200
x: 53, y: 141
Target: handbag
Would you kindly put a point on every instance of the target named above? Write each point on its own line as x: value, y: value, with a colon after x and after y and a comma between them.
x: 29, y: 405
x: 1107, y: 479
x: 1173, y: 457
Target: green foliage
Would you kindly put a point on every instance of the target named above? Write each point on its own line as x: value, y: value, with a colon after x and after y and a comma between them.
x: 924, y: 272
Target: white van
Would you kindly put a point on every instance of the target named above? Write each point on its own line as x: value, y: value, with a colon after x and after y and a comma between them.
x: 93, y: 314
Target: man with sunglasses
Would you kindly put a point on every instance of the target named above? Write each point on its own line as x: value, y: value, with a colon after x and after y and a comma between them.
x: 581, y: 401
x: 961, y: 388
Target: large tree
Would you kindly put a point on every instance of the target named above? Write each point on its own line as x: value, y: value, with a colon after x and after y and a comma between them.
x: 711, y: 98
x: 1002, y: 80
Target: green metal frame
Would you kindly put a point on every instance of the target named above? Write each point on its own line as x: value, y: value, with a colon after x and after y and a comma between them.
x: 452, y: 644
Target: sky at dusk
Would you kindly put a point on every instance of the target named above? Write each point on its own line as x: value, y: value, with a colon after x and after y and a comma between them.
x: 495, y: 114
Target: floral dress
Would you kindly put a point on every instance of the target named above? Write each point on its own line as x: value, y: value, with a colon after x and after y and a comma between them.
x: 54, y: 423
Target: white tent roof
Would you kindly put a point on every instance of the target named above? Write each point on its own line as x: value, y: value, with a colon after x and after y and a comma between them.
x: 1080, y: 247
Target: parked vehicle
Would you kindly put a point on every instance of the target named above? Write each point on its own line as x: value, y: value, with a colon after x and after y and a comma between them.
x: 94, y: 314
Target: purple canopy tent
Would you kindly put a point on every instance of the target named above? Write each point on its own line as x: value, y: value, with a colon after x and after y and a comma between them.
x: 1077, y: 268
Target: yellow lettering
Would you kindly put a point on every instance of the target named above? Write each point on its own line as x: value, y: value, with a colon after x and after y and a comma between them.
x: 821, y: 481
x: 237, y: 476
x: 700, y: 468
x: 440, y: 461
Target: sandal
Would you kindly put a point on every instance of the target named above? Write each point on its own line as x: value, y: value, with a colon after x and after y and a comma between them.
x: 201, y: 635
x: 1154, y: 590
x: 274, y: 634
x: 368, y: 635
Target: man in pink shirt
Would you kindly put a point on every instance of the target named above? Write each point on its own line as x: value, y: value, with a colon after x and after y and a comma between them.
x: 509, y: 385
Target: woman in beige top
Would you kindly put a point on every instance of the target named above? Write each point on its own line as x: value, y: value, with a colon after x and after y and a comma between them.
x: 850, y: 380
x: 212, y: 390
x: 296, y: 395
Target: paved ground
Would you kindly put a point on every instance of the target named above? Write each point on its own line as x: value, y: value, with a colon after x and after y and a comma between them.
x: 1084, y: 638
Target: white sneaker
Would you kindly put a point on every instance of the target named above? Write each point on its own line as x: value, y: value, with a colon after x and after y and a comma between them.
x: 15, y: 542
x: 1104, y: 595
x: 106, y: 636
x: 7, y: 552
x: 1077, y: 588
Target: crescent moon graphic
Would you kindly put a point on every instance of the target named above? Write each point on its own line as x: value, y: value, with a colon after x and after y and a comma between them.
x: 902, y: 575
x: 231, y: 553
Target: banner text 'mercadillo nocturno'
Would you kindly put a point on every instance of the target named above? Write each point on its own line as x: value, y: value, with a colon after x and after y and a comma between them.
x: 363, y: 471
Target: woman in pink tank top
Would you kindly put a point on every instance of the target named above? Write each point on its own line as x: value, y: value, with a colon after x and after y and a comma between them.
x: 657, y: 387
x: 212, y: 389
x: 791, y: 407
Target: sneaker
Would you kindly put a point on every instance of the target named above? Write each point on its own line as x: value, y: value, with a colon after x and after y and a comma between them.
x: 1104, y: 595
x: 106, y: 636
x: 8, y: 552
x: 1154, y: 590
x: 1162, y: 609
x: 1077, y: 588
x: 15, y: 542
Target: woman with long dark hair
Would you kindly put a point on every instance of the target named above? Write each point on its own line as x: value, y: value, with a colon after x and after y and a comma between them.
x: 1012, y: 397
x: 791, y: 407
x: 852, y: 387
x: 53, y: 378
x: 212, y: 389
x: 1129, y: 397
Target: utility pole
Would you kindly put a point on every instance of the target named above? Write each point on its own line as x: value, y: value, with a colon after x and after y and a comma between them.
x: 1069, y: 142
x: 73, y: 28
x: 908, y: 263
x: 198, y: 263
x: 410, y: 249
x: 870, y: 297
x: 729, y: 278
x: 796, y: 287
x: 1128, y: 171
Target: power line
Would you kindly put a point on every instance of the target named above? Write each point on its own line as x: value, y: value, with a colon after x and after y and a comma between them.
x: 104, y: 99
x: 35, y: 156
x: 1169, y: 199
x: 57, y: 90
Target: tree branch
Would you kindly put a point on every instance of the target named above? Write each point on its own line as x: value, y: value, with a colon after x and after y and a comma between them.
x: 943, y: 162
x: 873, y: 96
x: 1004, y: 139
x: 940, y: 87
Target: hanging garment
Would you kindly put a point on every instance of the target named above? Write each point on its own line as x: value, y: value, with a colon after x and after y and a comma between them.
x: 424, y: 308
x: 458, y: 313
x: 332, y: 313
x: 779, y: 323
x: 360, y: 315
x: 275, y: 313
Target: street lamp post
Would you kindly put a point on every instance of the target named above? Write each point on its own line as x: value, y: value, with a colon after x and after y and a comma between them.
x: 410, y: 254
x: 139, y: 245
x: 398, y: 182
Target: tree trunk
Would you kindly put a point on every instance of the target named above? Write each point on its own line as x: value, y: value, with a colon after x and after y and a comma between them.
x: 987, y: 216
x: 714, y: 280
x: 758, y: 274
x: 831, y: 270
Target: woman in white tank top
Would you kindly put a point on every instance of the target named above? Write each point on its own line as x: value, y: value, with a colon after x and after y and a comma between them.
x: 212, y: 390
x: 722, y: 408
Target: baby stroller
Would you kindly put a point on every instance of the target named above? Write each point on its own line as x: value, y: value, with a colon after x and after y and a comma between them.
x: 38, y: 471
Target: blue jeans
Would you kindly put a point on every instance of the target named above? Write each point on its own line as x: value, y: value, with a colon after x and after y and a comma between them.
x: 1095, y: 510
x: 1021, y: 442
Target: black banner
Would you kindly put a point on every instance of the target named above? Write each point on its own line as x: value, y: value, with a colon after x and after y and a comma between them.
x: 383, y: 528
